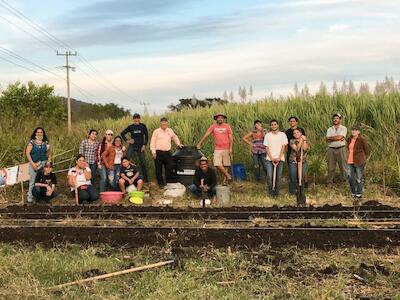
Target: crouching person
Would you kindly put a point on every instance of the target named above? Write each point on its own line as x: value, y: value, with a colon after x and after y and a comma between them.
x: 129, y: 176
x: 45, y: 184
x: 204, y: 180
x: 79, y: 179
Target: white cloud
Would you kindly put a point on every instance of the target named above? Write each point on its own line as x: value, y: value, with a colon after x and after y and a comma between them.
x: 338, y: 27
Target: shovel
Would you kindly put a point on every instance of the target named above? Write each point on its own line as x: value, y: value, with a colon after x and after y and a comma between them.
x: 274, y: 177
x: 300, y: 197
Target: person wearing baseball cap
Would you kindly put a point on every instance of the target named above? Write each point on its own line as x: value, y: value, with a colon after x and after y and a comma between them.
x: 137, y: 143
x: 102, y: 170
x: 337, y: 152
x: 45, y: 184
x: 223, y: 143
x: 204, y: 180
x: 358, y: 148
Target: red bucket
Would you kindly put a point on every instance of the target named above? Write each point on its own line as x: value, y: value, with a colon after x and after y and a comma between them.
x: 111, y: 197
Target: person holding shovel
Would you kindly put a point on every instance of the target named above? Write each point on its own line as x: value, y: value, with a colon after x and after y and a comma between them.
x: 298, y: 163
x: 275, y: 142
x: 223, y: 143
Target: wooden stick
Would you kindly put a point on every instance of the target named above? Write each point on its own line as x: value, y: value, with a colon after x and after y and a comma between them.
x: 104, y: 276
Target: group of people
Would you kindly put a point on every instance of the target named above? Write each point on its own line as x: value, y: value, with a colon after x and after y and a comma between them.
x: 111, y: 161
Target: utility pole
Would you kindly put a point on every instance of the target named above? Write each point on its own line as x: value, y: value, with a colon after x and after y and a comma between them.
x: 145, y: 111
x: 67, y: 54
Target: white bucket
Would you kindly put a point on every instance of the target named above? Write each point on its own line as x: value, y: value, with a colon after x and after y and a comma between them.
x: 223, y: 194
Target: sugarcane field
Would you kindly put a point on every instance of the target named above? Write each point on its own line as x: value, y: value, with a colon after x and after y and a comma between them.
x: 199, y: 149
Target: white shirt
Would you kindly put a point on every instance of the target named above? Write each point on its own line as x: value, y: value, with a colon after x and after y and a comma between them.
x: 333, y: 131
x: 80, y: 177
x: 118, y: 157
x: 275, y: 142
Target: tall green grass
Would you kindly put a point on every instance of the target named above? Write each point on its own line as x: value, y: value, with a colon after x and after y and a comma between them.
x: 378, y: 115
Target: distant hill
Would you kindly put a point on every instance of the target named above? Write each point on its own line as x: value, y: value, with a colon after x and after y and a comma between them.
x: 85, y: 111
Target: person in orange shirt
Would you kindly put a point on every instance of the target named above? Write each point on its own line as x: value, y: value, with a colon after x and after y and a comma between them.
x: 358, y: 151
x: 160, y: 146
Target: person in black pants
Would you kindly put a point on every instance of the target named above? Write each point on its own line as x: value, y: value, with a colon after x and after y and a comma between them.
x: 137, y: 143
x: 45, y: 184
x: 79, y: 179
x: 160, y: 146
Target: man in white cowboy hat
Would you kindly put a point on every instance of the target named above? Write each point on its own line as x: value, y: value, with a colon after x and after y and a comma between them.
x: 223, y: 142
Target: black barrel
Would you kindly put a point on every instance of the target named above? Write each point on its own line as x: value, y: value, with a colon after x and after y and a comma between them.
x: 184, y: 164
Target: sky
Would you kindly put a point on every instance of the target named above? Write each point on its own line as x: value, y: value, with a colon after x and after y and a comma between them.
x: 132, y: 52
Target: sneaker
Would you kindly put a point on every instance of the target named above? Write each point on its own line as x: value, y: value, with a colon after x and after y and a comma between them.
x: 353, y: 195
x: 358, y: 196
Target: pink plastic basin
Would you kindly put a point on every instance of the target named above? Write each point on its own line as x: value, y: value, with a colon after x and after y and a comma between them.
x: 111, y: 197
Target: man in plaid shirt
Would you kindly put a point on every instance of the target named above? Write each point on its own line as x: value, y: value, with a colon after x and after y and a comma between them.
x: 88, y: 148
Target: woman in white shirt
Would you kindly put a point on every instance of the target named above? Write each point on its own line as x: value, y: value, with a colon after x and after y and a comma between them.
x: 79, y: 178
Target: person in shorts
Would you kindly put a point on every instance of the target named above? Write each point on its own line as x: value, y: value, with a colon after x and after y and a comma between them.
x: 129, y: 175
x: 223, y: 143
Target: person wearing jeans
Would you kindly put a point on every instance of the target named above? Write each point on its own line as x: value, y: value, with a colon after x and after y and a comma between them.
x: 112, y: 160
x: 88, y: 148
x: 275, y: 142
x: 137, y: 143
x: 38, y: 153
x: 298, y: 145
x: 79, y: 179
x: 257, y: 148
x: 358, y: 152
x: 204, y: 180
x: 101, y: 168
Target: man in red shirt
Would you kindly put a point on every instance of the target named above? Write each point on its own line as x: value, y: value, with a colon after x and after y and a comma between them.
x: 223, y: 142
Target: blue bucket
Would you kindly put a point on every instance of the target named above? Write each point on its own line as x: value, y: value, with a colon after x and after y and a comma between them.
x: 239, y: 172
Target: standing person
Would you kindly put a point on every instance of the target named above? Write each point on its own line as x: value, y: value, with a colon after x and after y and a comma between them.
x: 88, y: 148
x: 258, y: 149
x: 204, y: 180
x: 160, y: 146
x: 112, y: 158
x: 336, y: 140
x: 358, y: 151
x: 45, y: 184
x: 129, y: 176
x: 293, y: 121
x: 79, y: 180
x: 137, y: 143
x: 299, y: 141
x: 276, y: 143
x: 223, y: 143
x: 38, y: 153
x: 103, y: 146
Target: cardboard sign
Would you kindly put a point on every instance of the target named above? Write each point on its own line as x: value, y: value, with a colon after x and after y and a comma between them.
x: 12, y: 175
x: 23, y: 173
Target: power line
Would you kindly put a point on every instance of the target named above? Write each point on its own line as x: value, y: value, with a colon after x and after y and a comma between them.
x: 27, y: 32
x: 30, y: 23
x: 59, y: 42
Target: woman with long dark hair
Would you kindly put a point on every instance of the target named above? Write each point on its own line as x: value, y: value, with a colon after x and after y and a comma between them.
x: 103, y: 146
x: 112, y: 160
x: 38, y: 153
x: 79, y: 180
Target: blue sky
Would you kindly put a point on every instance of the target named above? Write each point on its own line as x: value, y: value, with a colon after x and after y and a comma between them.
x: 158, y: 51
